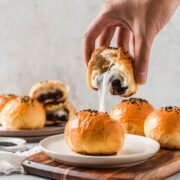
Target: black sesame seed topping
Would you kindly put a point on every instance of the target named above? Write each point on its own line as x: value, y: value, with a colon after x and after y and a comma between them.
x: 45, y: 81
x: 13, y: 95
x: 89, y: 110
x: 176, y: 109
x: 136, y: 101
x: 94, y: 112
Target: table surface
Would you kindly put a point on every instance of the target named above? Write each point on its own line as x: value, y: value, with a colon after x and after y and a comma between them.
x: 30, y: 177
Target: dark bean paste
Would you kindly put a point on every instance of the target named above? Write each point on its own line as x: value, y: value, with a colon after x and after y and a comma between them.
x: 53, y: 116
x: 51, y: 97
x: 117, y: 88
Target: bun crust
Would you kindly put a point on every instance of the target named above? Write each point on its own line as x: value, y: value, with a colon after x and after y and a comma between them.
x: 51, y: 94
x: 90, y: 132
x: 163, y: 125
x: 23, y: 113
x: 4, y: 99
x: 116, y: 59
x: 131, y: 114
x: 71, y: 109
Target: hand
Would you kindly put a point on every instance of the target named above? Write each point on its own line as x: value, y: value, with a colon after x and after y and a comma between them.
x: 142, y: 19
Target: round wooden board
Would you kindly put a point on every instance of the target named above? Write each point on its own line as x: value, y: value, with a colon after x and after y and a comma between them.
x: 162, y: 165
x: 46, y: 131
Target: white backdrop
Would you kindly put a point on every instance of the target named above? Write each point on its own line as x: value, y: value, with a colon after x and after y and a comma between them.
x: 42, y: 39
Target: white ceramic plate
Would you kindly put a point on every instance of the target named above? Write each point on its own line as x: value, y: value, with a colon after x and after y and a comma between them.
x: 19, y: 144
x: 17, y: 141
x: 136, y: 150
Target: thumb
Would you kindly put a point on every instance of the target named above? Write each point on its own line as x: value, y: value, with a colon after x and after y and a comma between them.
x: 142, y: 48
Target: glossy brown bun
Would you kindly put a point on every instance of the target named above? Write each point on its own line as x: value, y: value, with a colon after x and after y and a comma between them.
x: 51, y: 94
x: 95, y: 133
x: 23, y: 113
x: 131, y: 113
x: 119, y: 62
x: 60, y: 116
x: 163, y: 125
x: 4, y: 99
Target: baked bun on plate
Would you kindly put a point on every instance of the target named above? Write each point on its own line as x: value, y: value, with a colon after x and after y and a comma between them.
x: 94, y: 133
x: 23, y: 113
x: 4, y: 99
x: 163, y: 125
x: 120, y: 63
x: 60, y: 116
x: 51, y: 94
x: 131, y: 113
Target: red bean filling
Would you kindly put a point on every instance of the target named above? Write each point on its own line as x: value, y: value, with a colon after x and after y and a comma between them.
x: 52, y: 116
x: 51, y: 97
x: 116, y: 87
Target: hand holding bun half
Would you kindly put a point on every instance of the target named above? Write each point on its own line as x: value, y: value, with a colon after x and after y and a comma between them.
x: 163, y: 125
x: 131, y: 113
x: 94, y: 133
x: 23, y: 113
x: 119, y: 63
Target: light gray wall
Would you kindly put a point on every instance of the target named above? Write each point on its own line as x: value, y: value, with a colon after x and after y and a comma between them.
x: 42, y: 39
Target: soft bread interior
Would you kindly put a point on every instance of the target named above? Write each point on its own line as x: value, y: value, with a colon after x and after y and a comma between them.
x: 106, y: 61
x: 61, y: 115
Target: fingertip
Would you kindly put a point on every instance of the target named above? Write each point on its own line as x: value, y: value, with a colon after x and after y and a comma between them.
x: 141, y: 59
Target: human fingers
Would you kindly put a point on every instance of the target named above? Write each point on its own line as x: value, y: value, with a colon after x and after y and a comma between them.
x: 123, y: 38
x: 141, y: 55
x: 91, y: 34
x: 106, y: 36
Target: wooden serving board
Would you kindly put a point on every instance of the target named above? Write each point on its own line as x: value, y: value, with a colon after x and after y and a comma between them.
x: 33, y: 135
x: 165, y: 163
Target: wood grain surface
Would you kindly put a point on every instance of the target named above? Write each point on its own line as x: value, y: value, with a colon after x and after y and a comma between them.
x: 165, y: 163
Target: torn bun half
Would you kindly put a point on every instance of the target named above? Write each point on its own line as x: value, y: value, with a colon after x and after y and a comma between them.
x: 51, y: 94
x: 120, y: 63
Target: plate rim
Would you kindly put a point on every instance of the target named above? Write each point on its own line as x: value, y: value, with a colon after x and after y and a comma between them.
x: 23, y: 141
x: 51, y: 130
